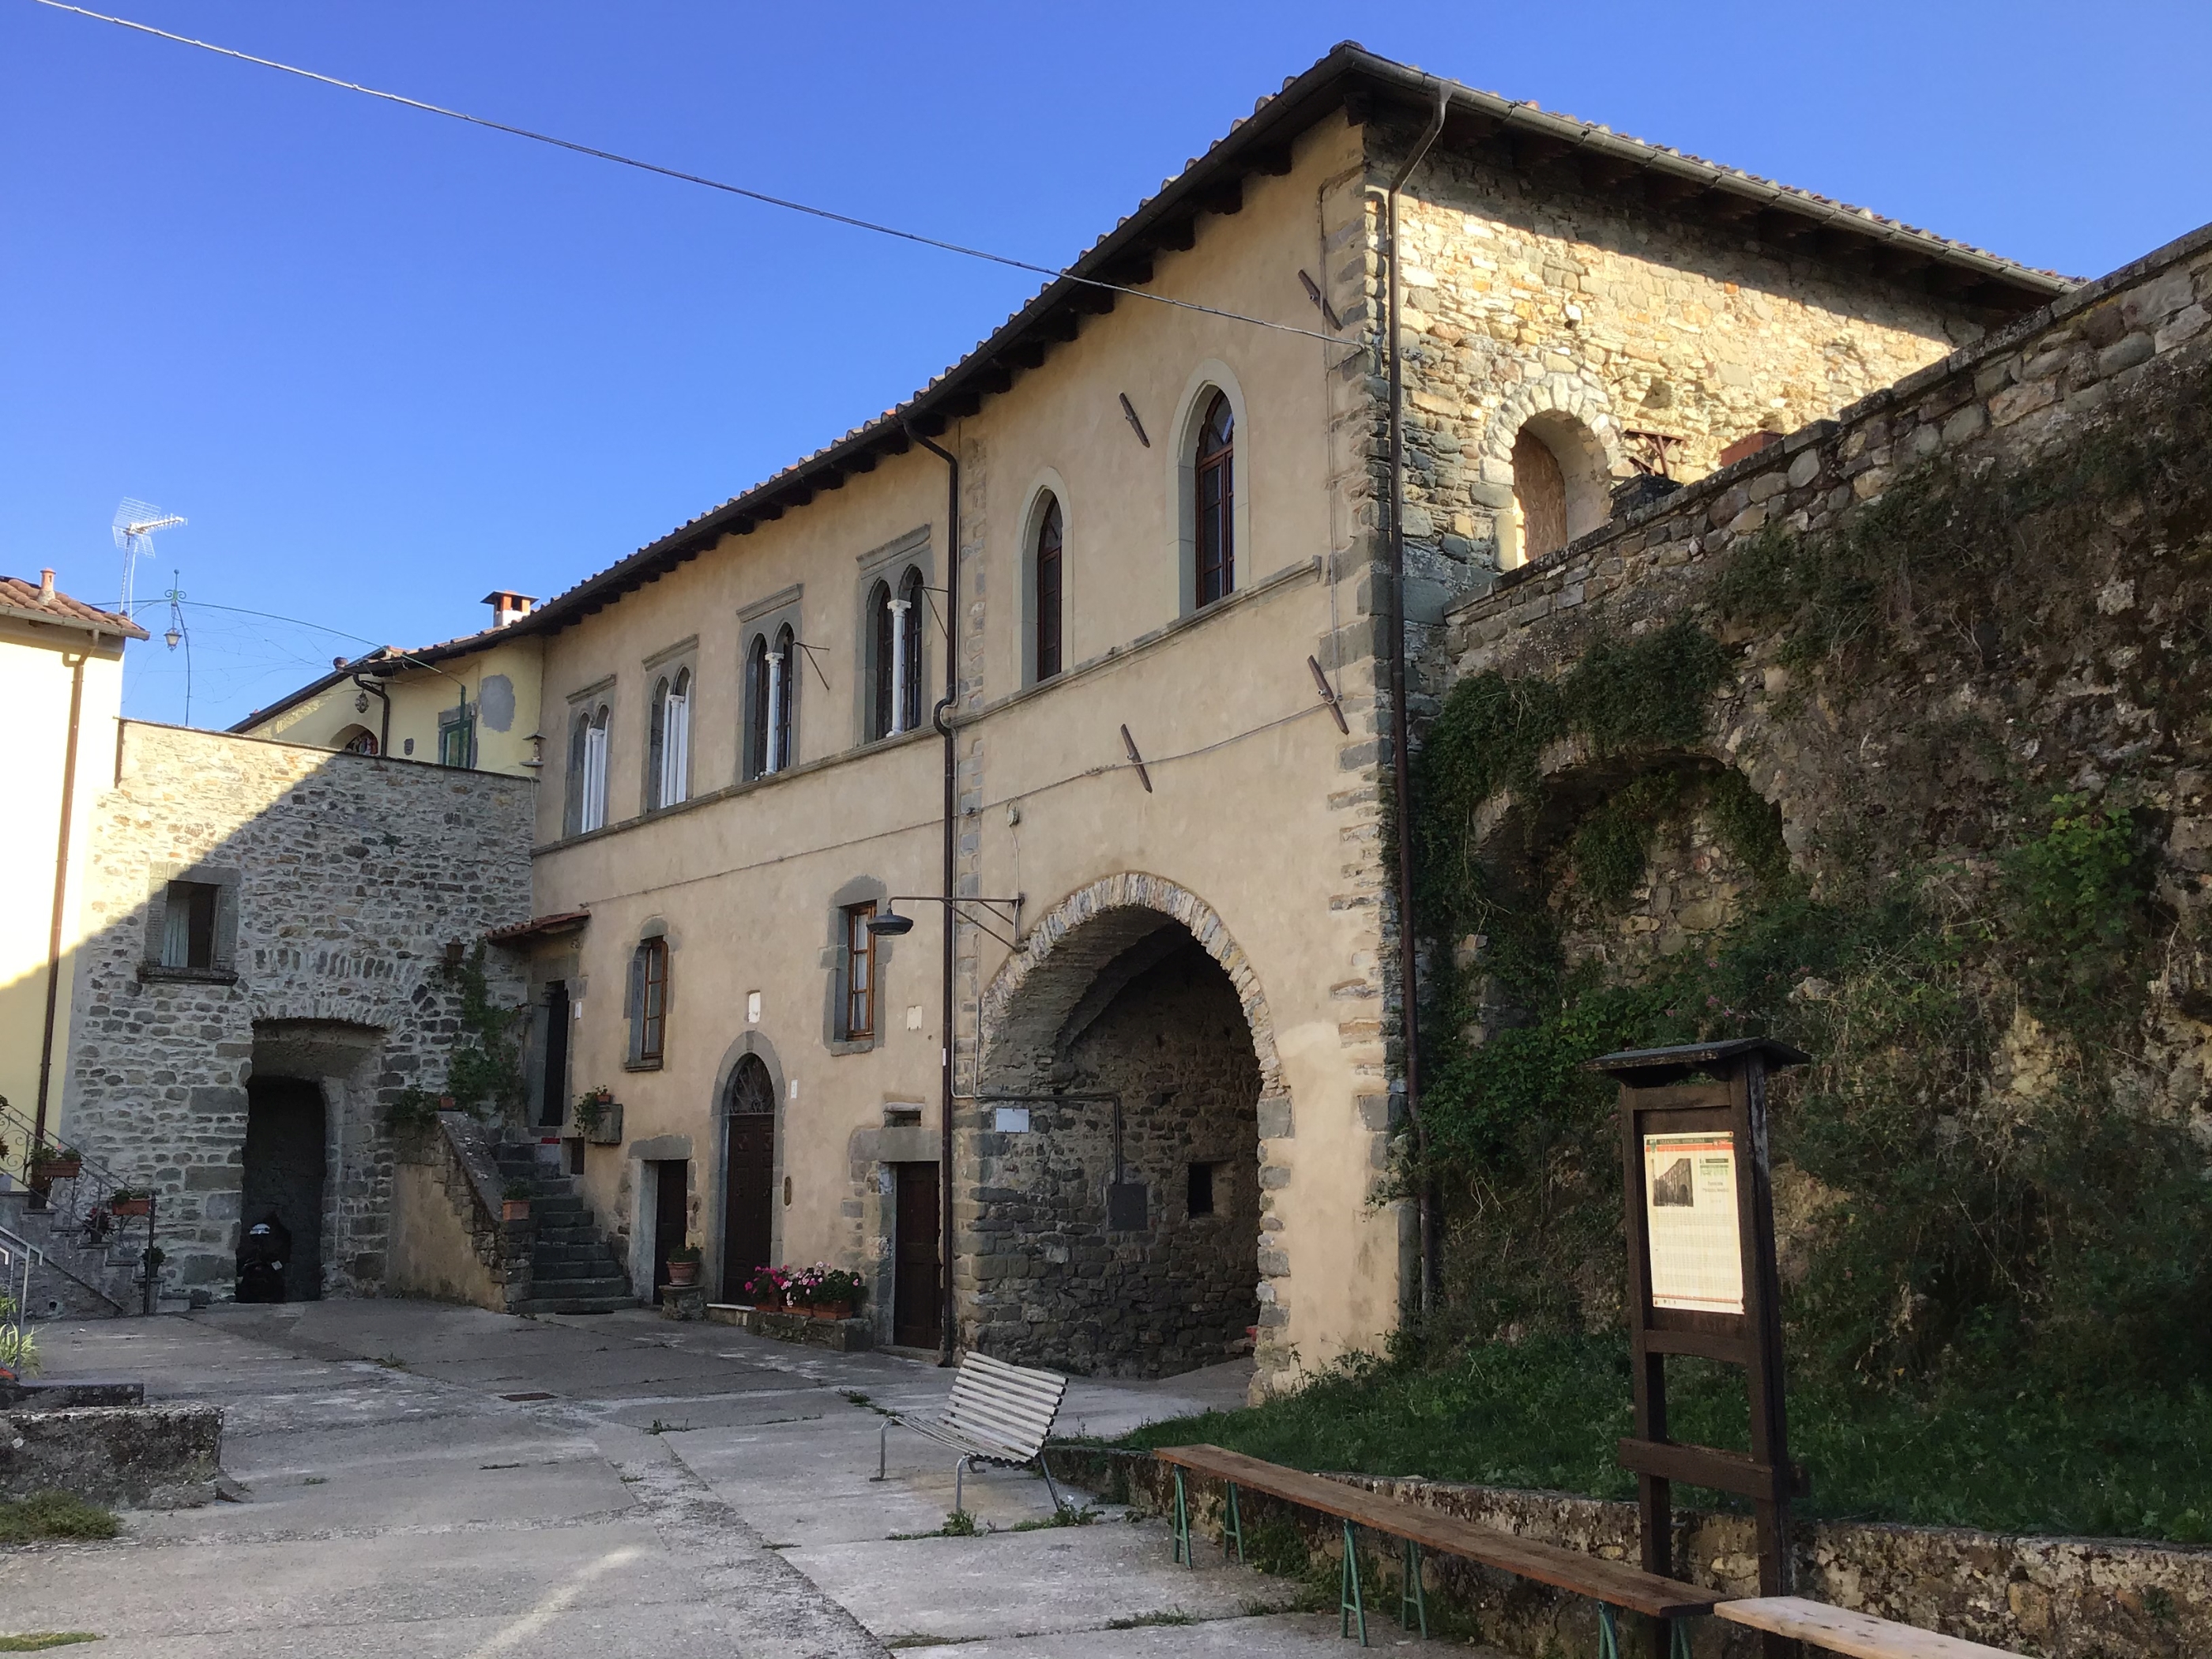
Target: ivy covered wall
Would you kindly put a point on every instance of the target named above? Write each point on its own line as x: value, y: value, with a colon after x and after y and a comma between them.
x: 1892, y: 740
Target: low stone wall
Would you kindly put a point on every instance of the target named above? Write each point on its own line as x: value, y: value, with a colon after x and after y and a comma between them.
x: 448, y: 1241
x: 2049, y: 1598
x: 844, y: 1335
x: 150, y: 1457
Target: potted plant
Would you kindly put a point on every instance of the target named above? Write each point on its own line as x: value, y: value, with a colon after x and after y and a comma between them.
x: 835, y: 1293
x: 683, y: 1267
x: 515, y: 1200
x: 130, y: 1200
x: 769, y: 1288
x: 598, y: 1117
x: 53, y: 1163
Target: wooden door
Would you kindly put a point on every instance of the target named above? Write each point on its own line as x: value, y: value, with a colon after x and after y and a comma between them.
x: 668, y: 1216
x: 918, y: 1289
x: 748, y: 1201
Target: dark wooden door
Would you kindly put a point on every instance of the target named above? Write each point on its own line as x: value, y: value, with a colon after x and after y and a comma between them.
x: 668, y: 1216
x: 553, y: 1096
x: 748, y: 1201
x: 918, y: 1292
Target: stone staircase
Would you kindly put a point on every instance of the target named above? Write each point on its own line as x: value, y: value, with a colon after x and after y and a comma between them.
x: 78, y: 1279
x: 573, y: 1270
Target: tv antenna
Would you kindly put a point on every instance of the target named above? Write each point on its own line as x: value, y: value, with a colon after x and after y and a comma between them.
x: 133, y: 528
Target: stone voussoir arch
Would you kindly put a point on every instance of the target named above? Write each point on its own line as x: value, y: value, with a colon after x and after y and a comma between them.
x: 1550, y: 394
x: 1052, y: 943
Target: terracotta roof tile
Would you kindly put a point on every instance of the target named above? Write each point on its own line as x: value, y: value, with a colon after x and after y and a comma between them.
x: 28, y: 600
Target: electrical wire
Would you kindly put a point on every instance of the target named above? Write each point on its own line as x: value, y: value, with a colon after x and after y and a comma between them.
x: 302, y: 622
x: 761, y: 197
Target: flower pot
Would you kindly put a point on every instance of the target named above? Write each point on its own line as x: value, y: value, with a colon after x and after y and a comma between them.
x: 682, y: 1274
x: 832, y: 1310
x: 56, y: 1169
x: 128, y: 1206
x: 514, y: 1209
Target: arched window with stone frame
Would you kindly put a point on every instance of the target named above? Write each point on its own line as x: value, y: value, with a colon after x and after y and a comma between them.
x: 1562, y: 488
x: 668, y: 764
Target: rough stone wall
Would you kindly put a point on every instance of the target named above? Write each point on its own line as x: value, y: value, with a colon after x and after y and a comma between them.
x: 1525, y: 294
x: 1063, y: 1289
x: 352, y: 875
x: 2070, y: 701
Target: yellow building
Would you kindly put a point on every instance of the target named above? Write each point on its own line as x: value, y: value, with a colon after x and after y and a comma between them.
x: 61, y: 680
x: 470, y: 703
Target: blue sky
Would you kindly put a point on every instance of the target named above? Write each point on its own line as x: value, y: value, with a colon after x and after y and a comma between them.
x: 385, y: 362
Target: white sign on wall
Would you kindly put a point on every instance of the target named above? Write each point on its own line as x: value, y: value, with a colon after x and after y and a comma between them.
x: 1690, y: 1217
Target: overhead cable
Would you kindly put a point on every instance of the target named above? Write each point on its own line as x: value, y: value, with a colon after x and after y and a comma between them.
x: 762, y: 197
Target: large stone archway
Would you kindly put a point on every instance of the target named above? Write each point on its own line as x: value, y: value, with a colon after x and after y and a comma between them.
x: 1115, y: 1206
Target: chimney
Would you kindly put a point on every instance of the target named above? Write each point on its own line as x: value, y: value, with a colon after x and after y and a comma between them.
x: 47, y: 586
x: 507, y: 607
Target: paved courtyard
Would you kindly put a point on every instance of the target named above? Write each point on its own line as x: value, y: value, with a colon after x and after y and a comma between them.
x: 677, y: 1490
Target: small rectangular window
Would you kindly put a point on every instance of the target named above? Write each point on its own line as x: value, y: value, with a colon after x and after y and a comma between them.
x: 188, y: 924
x: 1200, y: 1193
x: 860, y: 972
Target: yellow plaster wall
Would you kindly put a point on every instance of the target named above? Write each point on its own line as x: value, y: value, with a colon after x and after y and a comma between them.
x: 419, y: 696
x: 36, y: 663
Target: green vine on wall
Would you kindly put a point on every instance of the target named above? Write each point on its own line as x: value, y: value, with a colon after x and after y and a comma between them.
x: 484, y: 1066
x: 1964, y: 1191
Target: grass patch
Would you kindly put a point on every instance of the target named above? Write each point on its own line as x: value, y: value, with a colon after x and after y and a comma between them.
x: 957, y: 1524
x: 1546, y: 1413
x: 53, y: 1514
x: 1146, y: 1620
x: 1067, y: 1514
x: 38, y: 1641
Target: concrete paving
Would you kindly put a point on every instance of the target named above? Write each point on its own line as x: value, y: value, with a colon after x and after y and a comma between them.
x: 661, y: 1488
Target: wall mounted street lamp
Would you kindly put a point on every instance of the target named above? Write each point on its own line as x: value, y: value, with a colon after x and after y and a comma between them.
x: 888, y: 923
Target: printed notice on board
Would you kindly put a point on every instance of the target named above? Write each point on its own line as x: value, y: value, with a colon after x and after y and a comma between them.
x: 1689, y: 1207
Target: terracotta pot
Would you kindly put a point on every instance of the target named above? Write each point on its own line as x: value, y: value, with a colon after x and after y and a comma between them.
x: 56, y: 1169
x: 514, y: 1209
x: 832, y: 1310
x: 127, y: 1207
x: 682, y: 1274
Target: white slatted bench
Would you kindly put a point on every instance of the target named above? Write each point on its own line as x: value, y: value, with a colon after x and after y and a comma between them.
x: 1861, y: 1635
x: 999, y: 1413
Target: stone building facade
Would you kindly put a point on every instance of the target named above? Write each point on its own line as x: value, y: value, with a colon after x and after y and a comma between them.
x: 1195, y: 766
x: 341, y: 886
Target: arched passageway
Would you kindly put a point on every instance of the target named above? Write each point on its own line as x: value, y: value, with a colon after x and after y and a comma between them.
x: 1117, y: 1192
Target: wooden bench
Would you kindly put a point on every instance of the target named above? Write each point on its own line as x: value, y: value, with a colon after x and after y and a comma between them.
x: 999, y: 1413
x: 1613, y: 1584
x: 1861, y: 1635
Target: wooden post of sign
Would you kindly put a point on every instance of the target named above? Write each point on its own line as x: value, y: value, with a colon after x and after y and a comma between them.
x: 1702, y: 1280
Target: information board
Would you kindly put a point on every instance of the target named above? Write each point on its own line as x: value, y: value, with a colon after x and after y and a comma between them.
x: 1692, y: 1222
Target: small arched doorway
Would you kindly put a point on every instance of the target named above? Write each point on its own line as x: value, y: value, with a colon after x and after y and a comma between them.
x: 748, y: 1175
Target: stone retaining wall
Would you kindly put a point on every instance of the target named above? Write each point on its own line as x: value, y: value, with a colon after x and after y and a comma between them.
x: 2048, y: 1598
x: 151, y: 1457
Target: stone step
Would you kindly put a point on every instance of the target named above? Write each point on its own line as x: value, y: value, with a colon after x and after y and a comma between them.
x: 559, y: 1233
x: 602, y: 1286
x: 575, y: 1304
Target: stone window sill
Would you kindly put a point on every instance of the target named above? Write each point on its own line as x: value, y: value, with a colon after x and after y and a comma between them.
x: 851, y: 1045
x: 653, y: 1065
x: 155, y: 970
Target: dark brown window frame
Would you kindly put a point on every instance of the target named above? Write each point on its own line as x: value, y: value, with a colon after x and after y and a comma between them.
x: 860, y: 966
x: 650, y: 1012
x: 1050, y: 551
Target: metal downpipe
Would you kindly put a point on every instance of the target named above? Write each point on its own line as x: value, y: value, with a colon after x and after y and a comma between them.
x: 940, y: 717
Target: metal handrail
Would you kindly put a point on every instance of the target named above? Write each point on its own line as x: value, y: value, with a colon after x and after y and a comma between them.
x: 79, y: 1208
x: 18, y: 1255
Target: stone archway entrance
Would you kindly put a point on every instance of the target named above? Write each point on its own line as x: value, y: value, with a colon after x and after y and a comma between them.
x: 1116, y: 1166
x: 310, y: 1152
